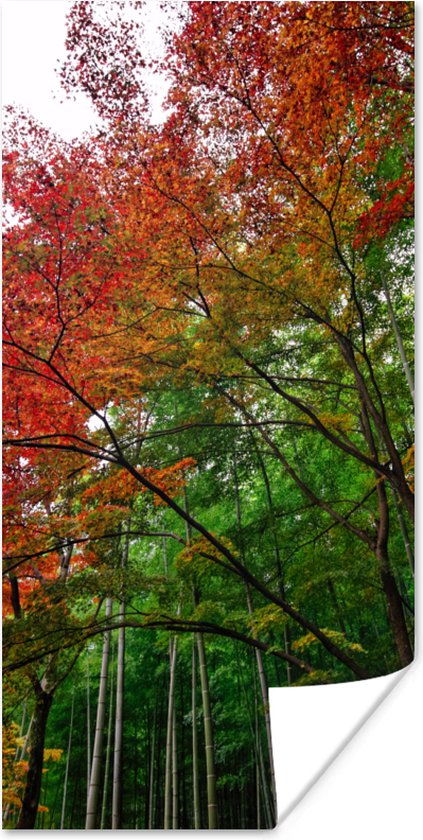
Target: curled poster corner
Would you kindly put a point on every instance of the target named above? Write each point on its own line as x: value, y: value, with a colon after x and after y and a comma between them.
x: 367, y: 736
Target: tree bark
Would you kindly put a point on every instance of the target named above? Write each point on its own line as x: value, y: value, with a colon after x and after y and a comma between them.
x: 208, y: 736
x: 108, y: 748
x: 120, y: 679
x: 95, y: 778
x: 195, y: 777
x: 396, y: 615
x: 118, y: 747
x: 31, y: 797
x: 14, y: 596
x: 175, y: 801
x: 88, y: 728
x: 389, y: 585
x: 151, y: 775
x: 168, y: 764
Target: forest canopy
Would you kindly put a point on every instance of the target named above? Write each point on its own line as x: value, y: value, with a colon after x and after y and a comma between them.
x: 208, y: 403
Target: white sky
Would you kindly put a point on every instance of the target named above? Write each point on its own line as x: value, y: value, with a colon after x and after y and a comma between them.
x: 33, y: 36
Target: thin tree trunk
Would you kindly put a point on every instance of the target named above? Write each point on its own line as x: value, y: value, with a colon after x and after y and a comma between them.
x: 65, y: 785
x: 258, y: 796
x: 94, y: 786
x: 135, y: 789
x: 174, y: 772
x: 14, y: 596
x: 120, y: 678
x: 195, y: 777
x: 208, y: 735
x: 168, y: 765
x: 158, y: 802
x: 108, y: 745
x: 31, y: 797
x: 169, y: 806
x: 257, y: 751
x: 151, y: 780
x: 88, y: 729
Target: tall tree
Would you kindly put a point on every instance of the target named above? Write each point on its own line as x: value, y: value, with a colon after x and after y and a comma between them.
x: 96, y: 767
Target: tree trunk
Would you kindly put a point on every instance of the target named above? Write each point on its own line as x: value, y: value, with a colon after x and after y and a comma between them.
x: 88, y: 729
x: 168, y: 765
x: 14, y: 596
x: 120, y: 677
x: 151, y: 778
x: 195, y: 777
x: 31, y: 798
x: 65, y: 784
x: 395, y: 612
x: 195, y: 774
x: 174, y: 772
x: 208, y: 736
x: 108, y: 747
x: 258, y: 825
x: 95, y: 778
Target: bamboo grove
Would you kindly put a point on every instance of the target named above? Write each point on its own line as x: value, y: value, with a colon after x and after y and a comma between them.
x: 208, y: 401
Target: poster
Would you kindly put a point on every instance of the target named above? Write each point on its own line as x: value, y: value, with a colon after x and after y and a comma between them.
x: 208, y: 397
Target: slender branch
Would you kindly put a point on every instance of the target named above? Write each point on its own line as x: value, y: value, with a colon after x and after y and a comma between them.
x: 22, y: 558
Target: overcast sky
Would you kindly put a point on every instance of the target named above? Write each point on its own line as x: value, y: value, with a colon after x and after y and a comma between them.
x: 33, y: 35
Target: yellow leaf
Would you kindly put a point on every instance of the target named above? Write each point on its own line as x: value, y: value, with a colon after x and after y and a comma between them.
x: 54, y: 755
